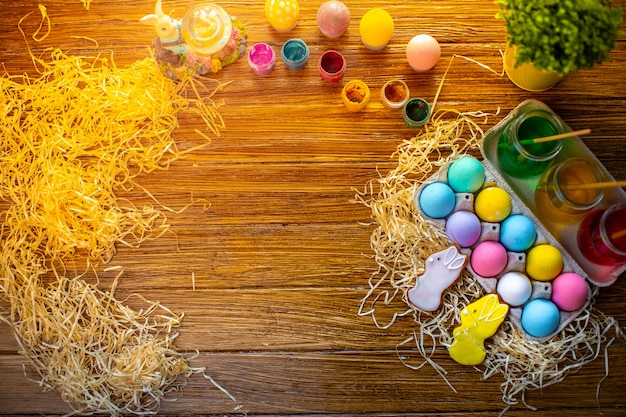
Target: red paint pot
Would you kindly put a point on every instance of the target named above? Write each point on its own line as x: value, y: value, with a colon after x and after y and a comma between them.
x: 331, y: 65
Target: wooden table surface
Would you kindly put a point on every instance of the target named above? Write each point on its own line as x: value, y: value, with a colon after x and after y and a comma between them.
x: 281, y: 259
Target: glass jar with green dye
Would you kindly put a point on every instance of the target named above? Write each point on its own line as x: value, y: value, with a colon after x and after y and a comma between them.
x: 518, y: 156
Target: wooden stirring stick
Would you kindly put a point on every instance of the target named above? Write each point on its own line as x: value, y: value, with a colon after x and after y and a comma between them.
x: 619, y: 234
x: 560, y: 136
x: 593, y: 185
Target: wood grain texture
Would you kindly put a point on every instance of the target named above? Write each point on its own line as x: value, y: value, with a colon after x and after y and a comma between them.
x: 281, y: 257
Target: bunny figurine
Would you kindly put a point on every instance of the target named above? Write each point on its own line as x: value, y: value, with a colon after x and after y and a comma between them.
x: 442, y: 270
x: 204, y: 41
x: 479, y: 321
x: 167, y: 29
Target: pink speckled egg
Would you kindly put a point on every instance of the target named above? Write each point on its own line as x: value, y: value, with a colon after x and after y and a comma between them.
x: 423, y: 52
x: 488, y: 259
x: 333, y: 18
x: 569, y: 291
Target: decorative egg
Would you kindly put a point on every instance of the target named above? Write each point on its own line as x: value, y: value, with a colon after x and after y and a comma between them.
x: 540, y: 317
x: 437, y: 200
x: 423, y: 52
x: 488, y: 258
x: 466, y: 175
x: 569, y: 291
x: 492, y: 204
x: 517, y: 233
x: 333, y: 18
x: 376, y: 28
x: 282, y: 14
x: 463, y: 228
x: 544, y: 262
x: 514, y: 288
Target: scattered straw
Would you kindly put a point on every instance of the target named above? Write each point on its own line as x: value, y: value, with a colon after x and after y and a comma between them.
x: 44, y: 19
x: 402, y: 240
x: 100, y: 355
x: 528, y: 365
x: 74, y: 137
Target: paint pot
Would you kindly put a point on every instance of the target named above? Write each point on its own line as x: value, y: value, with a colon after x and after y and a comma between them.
x: 416, y: 112
x: 355, y: 95
x: 395, y: 94
x: 331, y: 65
x: 261, y: 58
x: 295, y: 53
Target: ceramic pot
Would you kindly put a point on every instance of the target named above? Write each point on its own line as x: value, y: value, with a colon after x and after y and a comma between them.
x: 526, y: 76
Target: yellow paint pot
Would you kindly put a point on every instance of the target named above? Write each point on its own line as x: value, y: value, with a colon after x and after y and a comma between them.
x: 355, y: 95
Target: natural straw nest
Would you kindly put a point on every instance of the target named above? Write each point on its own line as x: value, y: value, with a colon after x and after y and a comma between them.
x: 403, y: 239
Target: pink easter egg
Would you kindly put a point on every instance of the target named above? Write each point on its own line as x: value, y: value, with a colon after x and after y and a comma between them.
x: 488, y: 258
x: 423, y: 52
x: 333, y: 18
x: 569, y: 291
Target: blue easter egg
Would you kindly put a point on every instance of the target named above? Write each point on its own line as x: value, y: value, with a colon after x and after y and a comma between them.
x: 540, y: 317
x: 466, y: 175
x: 517, y: 233
x: 437, y: 200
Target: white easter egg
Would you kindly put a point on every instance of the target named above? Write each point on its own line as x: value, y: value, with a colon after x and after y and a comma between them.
x: 514, y: 288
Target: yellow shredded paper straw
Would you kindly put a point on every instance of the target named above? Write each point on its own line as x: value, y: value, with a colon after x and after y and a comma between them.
x: 79, y: 132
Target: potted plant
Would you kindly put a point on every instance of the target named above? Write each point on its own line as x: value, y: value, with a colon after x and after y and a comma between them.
x: 552, y: 38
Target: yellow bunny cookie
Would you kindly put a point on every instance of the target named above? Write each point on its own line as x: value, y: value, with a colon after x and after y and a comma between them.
x: 479, y: 321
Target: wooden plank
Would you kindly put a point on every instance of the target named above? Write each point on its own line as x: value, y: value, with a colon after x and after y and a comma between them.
x: 293, y: 319
x: 292, y: 383
x: 280, y: 259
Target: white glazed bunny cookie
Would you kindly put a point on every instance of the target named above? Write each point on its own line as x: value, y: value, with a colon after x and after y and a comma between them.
x: 442, y: 270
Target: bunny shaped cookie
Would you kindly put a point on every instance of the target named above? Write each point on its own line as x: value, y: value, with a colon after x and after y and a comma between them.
x: 442, y: 270
x: 479, y: 321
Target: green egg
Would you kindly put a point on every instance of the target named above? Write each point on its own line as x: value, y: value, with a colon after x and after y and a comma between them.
x: 466, y: 175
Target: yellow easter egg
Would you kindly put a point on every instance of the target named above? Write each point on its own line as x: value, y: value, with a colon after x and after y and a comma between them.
x: 282, y: 14
x: 493, y: 204
x: 544, y: 262
x: 376, y: 28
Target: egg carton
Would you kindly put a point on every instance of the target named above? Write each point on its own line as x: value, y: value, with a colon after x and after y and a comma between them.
x: 524, y: 189
x: 490, y: 231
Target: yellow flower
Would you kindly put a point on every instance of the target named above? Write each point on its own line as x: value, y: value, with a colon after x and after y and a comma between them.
x: 216, y: 65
